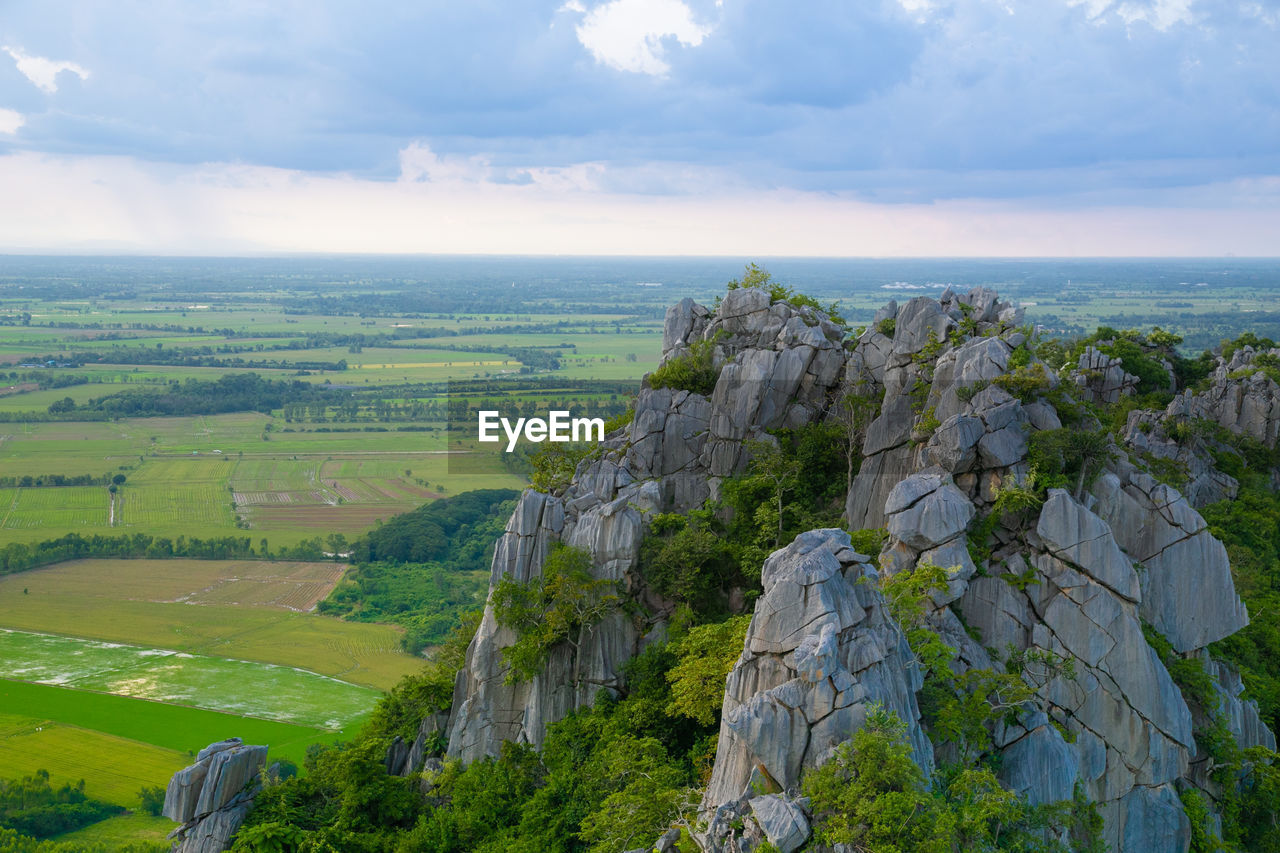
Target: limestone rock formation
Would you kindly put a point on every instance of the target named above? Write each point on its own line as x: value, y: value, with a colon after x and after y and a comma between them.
x: 779, y: 366
x: 820, y: 650
x: 1241, y: 397
x: 1101, y: 378
x: 211, y: 797
x: 1073, y: 579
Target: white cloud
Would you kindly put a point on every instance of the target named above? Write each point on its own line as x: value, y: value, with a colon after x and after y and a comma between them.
x: 10, y: 121
x: 418, y: 163
x: 628, y: 34
x: 1160, y: 14
x: 43, y: 72
x: 119, y: 204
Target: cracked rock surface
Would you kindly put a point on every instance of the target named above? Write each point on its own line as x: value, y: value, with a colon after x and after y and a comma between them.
x: 1075, y: 577
x: 211, y: 797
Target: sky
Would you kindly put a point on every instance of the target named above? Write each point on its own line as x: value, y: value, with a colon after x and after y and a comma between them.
x: 634, y: 127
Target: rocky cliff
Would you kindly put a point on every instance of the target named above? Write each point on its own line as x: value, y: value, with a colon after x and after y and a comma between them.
x: 211, y: 797
x: 1073, y: 573
x: 778, y: 366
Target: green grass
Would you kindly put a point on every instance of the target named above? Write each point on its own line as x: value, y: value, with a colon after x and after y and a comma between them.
x: 66, y: 508
x: 91, y: 599
x: 114, y: 768
x: 261, y: 690
x: 175, y: 729
x: 131, y: 827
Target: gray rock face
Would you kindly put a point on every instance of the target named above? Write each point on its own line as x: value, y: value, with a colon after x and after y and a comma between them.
x: 1241, y: 397
x: 1101, y: 378
x: 1073, y: 579
x: 1149, y: 819
x: 1187, y: 594
x: 211, y: 797
x: 1040, y: 764
x: 820, y: 651
x: 1241, y: 714
x: 1077, y: 536
x: 1202, y: 483
x: 779, y: 366
x: 926, y: 510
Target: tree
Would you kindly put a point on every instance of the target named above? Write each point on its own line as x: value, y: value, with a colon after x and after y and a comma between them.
x: 562, y: 605
x: 151, y: 798
x: 780, y: 470
x: 706, y: 655
x: 854, y: 412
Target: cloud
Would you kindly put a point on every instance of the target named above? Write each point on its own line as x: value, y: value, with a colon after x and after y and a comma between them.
x: 419, y: 163
x: 10, y: 121
x: 1160, y: 14
x: 1082, y: 102
x: 118, y: 205
x: 43, y: 72
x: 631, y: 35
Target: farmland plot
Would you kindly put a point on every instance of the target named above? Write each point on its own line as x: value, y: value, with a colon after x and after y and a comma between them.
x: 194, y: 505
x: 64, y: 507
x: 220, y: 684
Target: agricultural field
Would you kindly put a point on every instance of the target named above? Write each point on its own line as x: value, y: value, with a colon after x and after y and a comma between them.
x: 185, y: 474
x: 203, y: 607
x: 174, y: 728
x: 250, y: 689
x: 113, y: 767
x: 115, y: 832
x: 119, y: 745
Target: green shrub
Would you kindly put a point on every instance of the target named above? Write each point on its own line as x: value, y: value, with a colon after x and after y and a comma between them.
x: 706, y: 655
x: 553, y: 466
x: 695, y: 371
x: 872, y: 796
x: 561, y: 605
x: 1026, y: 383
x: 688, y: 559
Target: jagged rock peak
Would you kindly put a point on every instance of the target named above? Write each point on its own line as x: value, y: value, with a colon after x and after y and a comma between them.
x: 778, y: 365
x: 1071, y: 574
x: 211, y: 797
x: 820, y: 651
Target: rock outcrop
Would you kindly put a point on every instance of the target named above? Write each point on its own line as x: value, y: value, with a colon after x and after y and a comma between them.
x: 820, y: 651
x: 211, y: 797
x: 1242, y: 396
x: 1101, y: 378
x: 1072, y: 576
x: 779, y: 366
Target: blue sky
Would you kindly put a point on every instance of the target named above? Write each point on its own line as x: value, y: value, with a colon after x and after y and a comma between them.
x: 914, y: 127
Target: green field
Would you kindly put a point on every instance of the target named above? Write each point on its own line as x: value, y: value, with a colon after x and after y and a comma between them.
x: 170, y: 727
x: 113, y: 767
x: 146, y: 603
x: 262, y: 474
x: 185, y: 473
x: 117, y: 744
x: 253, y: 689
x: 122, y: 829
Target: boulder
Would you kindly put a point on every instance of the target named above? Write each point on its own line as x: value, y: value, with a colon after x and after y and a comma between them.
x: 926, y: 510
x: 783, y: 822
x: 211, y: 797
x: 820, y: 651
